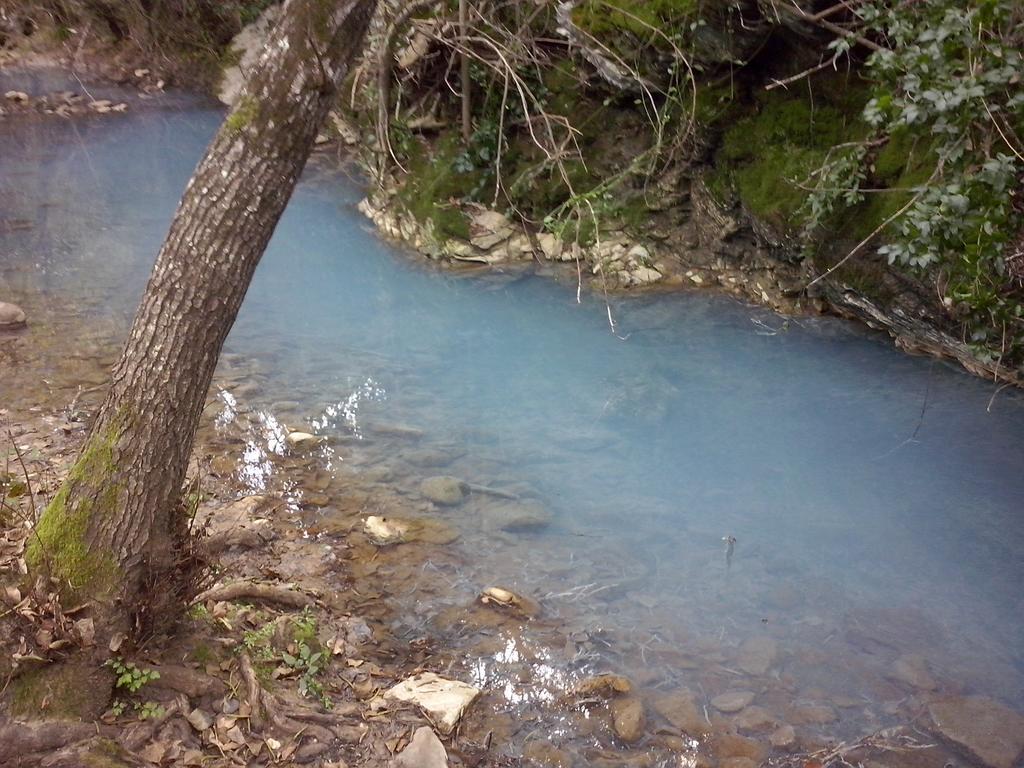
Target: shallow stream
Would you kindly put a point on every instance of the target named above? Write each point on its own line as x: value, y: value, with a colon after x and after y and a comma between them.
x: 875, y: 498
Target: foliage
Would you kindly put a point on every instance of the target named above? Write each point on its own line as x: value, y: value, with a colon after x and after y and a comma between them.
x: 131, y: 679
x: 129, y: 676
x: 949, y: 76
x: 302, y: 658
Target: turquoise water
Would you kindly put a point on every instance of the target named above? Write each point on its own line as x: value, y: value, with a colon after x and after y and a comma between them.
x: 876, y: 499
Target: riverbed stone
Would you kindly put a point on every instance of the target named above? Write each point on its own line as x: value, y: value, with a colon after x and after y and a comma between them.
x: 11, y: 316
x: 783, y: 737
x: 812, y: 714
x: 912, y: 669
x: 425, y: 750
x: 443, y: 489
x: 680, y: 709
x: 985, y: 728
x: 732, y: 701
x: 757, y: 654
x: 628, y: 719
x: 604, y: 685
x: 754, y: 718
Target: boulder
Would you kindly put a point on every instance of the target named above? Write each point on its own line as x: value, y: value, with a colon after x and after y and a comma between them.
x: 443, y: 701
x: 986, y: 729
x: 11, y: 316
x: 425, y: 750
x: 443, y: 489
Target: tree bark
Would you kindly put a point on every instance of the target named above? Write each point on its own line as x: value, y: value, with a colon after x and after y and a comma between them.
x: 114, y: 526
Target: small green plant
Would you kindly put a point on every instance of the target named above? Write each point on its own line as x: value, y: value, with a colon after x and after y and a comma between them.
x: 129, y: 676
x: 131, y: 679
x: 309, y: 664
x: 150, y: 710
x: 257, y: 643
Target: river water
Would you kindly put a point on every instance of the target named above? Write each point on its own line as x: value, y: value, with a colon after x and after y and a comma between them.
x: 875, y: 499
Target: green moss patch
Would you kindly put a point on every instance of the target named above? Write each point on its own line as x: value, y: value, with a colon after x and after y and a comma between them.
x: 60, y: 541
x: 768, y: 156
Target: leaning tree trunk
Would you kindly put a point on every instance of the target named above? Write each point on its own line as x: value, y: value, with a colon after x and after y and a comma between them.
x: 113, y: 528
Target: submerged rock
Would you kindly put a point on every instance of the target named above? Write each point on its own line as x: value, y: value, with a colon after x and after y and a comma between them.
x: 443, y: 489
x: 754, y: 718
x: 913, y: 670
x: 11, y: 316
x: 443, y: 701
x: 757, y: 655
x: 425, y: 750
x: 604, y: 686
x: 988, y: 730
x: 383, y: 531
x: 680, y: 709
x: 733, y: 701
x: 499, y: 597
x: 302, y: 439
x: 628, y: 719
x: 516, y: 516
x: 783, y: 737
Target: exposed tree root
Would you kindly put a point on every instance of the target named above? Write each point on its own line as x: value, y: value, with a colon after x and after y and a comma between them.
x: 20, y: 741
x: 272, y: 593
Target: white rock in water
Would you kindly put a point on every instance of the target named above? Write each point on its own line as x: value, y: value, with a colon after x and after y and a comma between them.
x: 424, y: 751
x: 383, y: 531
x: 302, y: 439
x: 442, y: 700
x: 11, y: 315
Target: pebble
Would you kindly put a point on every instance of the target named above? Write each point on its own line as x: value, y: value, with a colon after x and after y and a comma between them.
x: 733, y: 701
x: 200, y: 719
